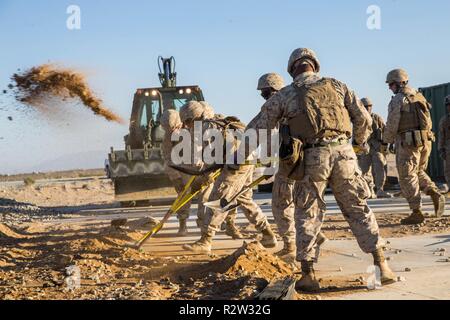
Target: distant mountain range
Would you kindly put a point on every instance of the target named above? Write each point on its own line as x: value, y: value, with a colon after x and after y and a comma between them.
x: 81, y: 160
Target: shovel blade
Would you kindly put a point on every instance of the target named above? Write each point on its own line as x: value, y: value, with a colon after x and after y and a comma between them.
x: 218, y: 205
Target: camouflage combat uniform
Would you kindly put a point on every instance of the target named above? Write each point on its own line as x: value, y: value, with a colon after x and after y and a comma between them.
x: 231, y: 180
x: 373, y: 164
x: 334, y: 163
x: 444, y: 144
x: 283, y: 187
x: 412, y: 161
x: 170, y: 122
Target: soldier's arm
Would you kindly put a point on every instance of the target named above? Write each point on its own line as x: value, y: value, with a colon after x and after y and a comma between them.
x: 271, y: 113
x: 361, y: 119
x: 381, y: 123
x: 268, y: 118
x: 393, y: 120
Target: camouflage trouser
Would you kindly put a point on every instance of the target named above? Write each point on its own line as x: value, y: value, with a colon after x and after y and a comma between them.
x: 283, y: 207
x: 228, y: 184
x: 337, y: 166
x: 372, y: 166
x: 183, y: 213
x: 412, y: 163
x: 203, y: 213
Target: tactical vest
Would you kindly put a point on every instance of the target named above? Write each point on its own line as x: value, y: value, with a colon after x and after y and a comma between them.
x: 415, y: 114
x: 227, y: 123
x: 321, y: 112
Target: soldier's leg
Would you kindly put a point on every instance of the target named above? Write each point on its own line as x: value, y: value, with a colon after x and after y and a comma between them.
x: 183, y: 213
x: 309, y: 216
x: 203, y: 212
x: 310, y: 206
x: 283, y: 211
x: 408, y: 159
x: 255, y: 215
x: 365, y: 164
x: 351, y: 192
x: 426, y: 184
x: 231, y: 229
x: 379, y: 173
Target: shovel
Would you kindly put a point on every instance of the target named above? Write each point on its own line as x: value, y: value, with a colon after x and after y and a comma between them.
x: 223, y: 206
x: 182, y: 199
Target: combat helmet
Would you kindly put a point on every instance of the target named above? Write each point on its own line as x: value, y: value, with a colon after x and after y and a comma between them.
x: 271, y: 80
x: 397, y: 75
x: 303, y: 53
x: 366, y: 102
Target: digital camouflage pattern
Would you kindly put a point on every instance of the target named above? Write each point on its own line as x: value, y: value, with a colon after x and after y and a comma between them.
x: 283, y: 208
x: 373, y: 164
x: 284, y: 104
x: 336, y: 165
x: 271, y: 80
x: 397, y: 75
x: 229, y: 182
x: 412, y: 162
x: 303, y: 53
x: 170, y: 121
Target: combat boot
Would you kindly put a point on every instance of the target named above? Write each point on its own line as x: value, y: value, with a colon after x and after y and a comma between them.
x: 182, y: 231
x: 232, y: 231
x: 416, y: 217
x: 438, y: 202
x: 202, y: 246
x: 288, y: 250
x: 386, y: 274
x: 308, y: 281
x: 381, y: 194
x: 269, y: 240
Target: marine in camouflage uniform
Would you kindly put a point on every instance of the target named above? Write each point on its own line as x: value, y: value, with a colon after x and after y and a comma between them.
x: 170, y: 122
x: 283, y: 187
x: 444, y: 140
x: 229, y: 225
x: 320, y: 112
x: 409, y: 127
x: 231, y: 180
x: 373, y: 163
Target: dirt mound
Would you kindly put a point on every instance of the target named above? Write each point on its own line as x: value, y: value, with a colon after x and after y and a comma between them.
x: 252, y: 258
x: 38, y: 85
x: 7, y: 232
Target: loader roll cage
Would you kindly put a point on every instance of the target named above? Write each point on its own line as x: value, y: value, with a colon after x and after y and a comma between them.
x: 148, y: 106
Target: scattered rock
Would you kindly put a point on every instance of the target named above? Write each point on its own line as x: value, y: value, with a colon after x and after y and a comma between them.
x: 407, y: 269
x: 117, y: 223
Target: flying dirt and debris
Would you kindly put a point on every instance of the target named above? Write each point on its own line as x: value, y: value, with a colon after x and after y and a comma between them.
x: 37, y: 86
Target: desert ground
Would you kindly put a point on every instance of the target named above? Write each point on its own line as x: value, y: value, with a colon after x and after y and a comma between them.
x: 53, y: 224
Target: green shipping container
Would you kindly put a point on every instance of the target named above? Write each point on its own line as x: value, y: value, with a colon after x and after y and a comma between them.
x: 436, y: 95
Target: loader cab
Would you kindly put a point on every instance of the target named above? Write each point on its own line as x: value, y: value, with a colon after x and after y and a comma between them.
x: 148, y: 106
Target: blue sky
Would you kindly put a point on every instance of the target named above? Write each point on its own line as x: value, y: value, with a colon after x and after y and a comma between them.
x: 222, y: 46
